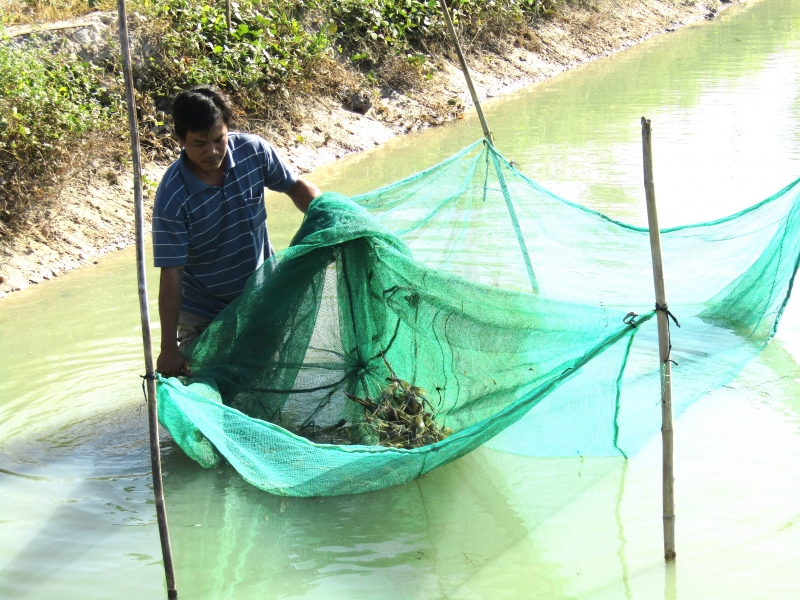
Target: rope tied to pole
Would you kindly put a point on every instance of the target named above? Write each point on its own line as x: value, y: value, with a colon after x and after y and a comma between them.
x: 145, y: 378
x: 665, y: 309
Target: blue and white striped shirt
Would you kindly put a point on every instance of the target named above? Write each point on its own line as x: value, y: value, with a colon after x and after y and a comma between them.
x: 217, y: 233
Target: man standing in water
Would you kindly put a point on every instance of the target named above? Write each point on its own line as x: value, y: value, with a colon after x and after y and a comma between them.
x: 209, y: 220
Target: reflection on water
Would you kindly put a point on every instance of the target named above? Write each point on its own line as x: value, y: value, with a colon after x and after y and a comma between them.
x: 463, y: 531
x: 671, y: 581
x: 76, y: 512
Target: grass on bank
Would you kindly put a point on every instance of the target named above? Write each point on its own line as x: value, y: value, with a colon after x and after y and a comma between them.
x: 26, y: 12
x: 53, y: 102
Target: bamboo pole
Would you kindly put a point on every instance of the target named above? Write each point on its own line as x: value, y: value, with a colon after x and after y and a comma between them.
x: 486, y: 133
x: 152, y: 402
x: 664, y: 346
x: 228, y: 14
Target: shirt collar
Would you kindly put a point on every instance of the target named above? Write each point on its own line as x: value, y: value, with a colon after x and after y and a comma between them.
x: 194, y: 185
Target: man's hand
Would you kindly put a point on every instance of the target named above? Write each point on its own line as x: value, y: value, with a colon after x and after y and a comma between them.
x: 302, y: 193
x: 171, y: 363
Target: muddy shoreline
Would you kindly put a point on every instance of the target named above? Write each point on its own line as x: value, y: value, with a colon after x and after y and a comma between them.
x: 93, y: 212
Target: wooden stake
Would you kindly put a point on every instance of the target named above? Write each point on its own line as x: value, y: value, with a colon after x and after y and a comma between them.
x: 668, y: 488
x: 152, y: 402
x: 228, y: 14
x: 486, y: 133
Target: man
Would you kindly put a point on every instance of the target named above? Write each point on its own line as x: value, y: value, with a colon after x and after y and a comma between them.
x: 209, y: 220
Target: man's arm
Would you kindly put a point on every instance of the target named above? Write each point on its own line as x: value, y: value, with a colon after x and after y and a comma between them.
x: 302, y: 193
x: 171, y: 362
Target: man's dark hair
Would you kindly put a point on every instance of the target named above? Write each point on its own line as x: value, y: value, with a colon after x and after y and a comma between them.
x: 199, y: 109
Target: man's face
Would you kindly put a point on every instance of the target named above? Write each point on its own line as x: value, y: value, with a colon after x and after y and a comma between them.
x: 206, y: 149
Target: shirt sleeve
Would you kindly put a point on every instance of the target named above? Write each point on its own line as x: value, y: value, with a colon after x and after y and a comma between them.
x: 277, y: 175
x: 170, y: 228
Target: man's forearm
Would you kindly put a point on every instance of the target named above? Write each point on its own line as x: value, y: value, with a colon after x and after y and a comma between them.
x: 302, y: 193
x: 170, y: 297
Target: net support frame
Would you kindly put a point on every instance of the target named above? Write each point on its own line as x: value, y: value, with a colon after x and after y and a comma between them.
x: 150, y: 381
x: 446, y: 13
x: 664, y: 346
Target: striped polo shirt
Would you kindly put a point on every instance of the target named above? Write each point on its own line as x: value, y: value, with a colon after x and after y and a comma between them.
x: 217, y: 233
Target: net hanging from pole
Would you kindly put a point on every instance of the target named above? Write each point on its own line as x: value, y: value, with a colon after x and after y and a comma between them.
x: 506, y: 304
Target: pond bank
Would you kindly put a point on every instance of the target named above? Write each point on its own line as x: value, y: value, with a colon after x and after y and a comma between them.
x: 94, y: 213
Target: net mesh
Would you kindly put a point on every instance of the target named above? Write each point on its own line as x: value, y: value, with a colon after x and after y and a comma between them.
x: 506, y: 303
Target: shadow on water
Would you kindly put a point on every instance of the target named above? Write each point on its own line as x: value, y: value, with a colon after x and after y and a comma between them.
x: 83, y: 527
x: 470, y: 529
x: 77, y: 507
x: 55, y: 547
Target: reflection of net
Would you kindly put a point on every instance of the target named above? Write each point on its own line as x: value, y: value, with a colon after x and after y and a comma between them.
x: 459, y: 319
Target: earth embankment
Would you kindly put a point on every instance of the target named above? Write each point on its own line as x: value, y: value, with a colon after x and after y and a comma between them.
x: 90, y: 208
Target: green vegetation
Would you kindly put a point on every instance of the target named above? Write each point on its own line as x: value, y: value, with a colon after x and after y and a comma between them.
x: 368, y: 27
x: 48, y: 101
x: 269, y: 44
x: 265, y: 43
x: 51, y: 101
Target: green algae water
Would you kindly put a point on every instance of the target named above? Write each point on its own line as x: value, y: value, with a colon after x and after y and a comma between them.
x: 76, y: 511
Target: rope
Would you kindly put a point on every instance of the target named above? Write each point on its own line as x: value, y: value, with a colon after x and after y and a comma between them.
x: 663, y: 308
x: 147, y: 377
x: 514, y: 221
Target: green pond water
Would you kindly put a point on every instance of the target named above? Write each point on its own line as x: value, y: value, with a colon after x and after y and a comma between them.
x: 77, y: 519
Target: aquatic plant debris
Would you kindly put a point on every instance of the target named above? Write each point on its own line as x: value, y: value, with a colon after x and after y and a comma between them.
x: 401, y: 417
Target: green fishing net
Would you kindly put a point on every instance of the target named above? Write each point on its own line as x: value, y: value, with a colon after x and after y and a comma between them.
x: 507, y: 304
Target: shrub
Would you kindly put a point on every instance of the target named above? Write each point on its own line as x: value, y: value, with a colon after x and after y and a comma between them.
x: 267, y: 44
x: 48, y: 100
x: 413, y: 25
